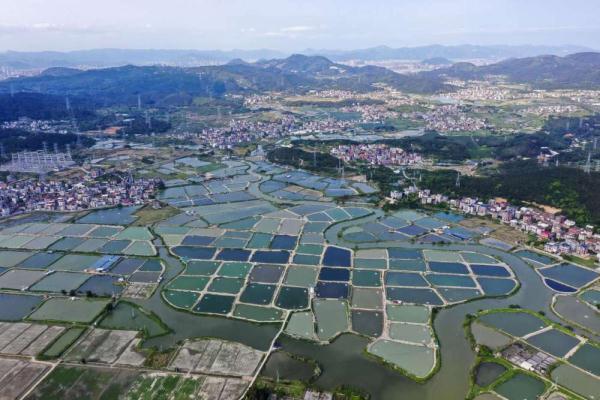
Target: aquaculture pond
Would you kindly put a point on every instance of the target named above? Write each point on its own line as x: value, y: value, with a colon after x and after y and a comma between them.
x: 487, y: 372
x: 521, y: 387
x: 282, y: 366
x: 518, y: 323
x: 15, y: 307
x: 569, y: 274
x: 578, y: 381
x: 111, y: 216
x: 126, y: 316
x: 269, y: 262
x: 554, y: 342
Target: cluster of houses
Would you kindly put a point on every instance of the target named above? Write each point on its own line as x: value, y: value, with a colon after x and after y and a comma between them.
x: 73, y: 195
x: 449, y: 118
x: 561, y: 235
x: 245, y: 131
x: 376, y: 154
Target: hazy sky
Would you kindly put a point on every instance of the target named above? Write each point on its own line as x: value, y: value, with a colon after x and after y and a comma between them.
x: 293, y: 24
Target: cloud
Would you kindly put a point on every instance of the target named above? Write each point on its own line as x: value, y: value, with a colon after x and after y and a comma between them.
x: 45, y: 27
x: 298, y: 28
x: 292, y: 32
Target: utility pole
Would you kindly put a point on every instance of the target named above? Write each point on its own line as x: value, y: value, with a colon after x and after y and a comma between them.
x: 588, y: 164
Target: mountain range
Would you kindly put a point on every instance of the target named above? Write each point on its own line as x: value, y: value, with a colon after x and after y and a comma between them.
x: 98, y: 58
x: 164, y: 85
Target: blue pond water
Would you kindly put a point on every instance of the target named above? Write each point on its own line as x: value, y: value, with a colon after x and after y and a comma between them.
x: 450, y: 280
x: 332, y: 290
x: 334, y: 274
x: 489, y: 270
x: 189, y: 252
x: 406, y: 254
x: 449, y: 217
x: 496, y: 287
x: 413, y: 295
x: 559, y: 287
x: 337, y: 257
x: 412, y: 230
x: 461, y: 233
x: 233, y: 255
x: 393, y: 278
x: 198, y: 240
x: 283, y: 242
x: 448, y: 267
x: 570, y: 274
x: 271, y: 257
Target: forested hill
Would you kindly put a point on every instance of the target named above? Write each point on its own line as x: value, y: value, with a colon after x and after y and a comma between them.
x: 575, y: 71
x: 158, y: 84
x: 42, y: 106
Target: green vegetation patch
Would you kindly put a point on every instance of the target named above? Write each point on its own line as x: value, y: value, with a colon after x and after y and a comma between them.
x: 62, y: 343
x: 126, y: 316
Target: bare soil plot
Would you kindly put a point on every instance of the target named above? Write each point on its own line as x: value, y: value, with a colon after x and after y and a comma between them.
x: 217, y: 357
x: 26, y: 339
x: 16, y: 376
x: 101, y: 345
x: 139, y: 290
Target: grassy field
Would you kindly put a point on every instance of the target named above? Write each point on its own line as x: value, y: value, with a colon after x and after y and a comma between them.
x: 501, y: 232
x: 148, y: 215
x: 67, y: 310
x: 586, y: 262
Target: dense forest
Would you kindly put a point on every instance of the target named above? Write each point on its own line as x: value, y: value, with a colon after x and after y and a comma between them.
x: 139, y: 126
x: 570, y: 189
x: 460, y: 148
x: 298, y: 158
x: 14, y: 140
